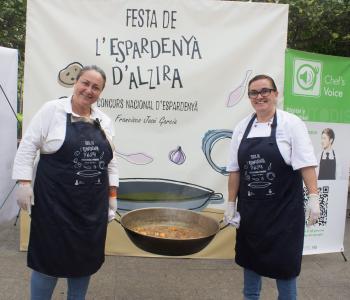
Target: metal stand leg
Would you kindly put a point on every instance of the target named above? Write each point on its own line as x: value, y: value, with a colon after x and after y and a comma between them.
x: 19, y: 211
x: 342, y: 253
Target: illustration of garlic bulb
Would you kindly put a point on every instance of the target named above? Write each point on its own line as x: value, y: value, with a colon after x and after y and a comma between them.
x: 177, y: 156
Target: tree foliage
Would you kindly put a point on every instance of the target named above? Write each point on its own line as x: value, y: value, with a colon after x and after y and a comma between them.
x: 12, y: 29
x: 318, y: 26
x: 12, y: 24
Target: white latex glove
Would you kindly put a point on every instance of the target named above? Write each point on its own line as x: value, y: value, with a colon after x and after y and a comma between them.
x: 111, y: 215
x: 231, y: 216
x: 24, y: 196
x: 112, y: 208
x: 312, y: 209
x: 236, y: 220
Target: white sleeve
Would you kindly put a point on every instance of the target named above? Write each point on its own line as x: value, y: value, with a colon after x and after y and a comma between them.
x: 113, y: 172
x: 32, y: 141
x: 339, y: 169
x: 318, y: 157
x: 302, y: 150
x: 232, y: 165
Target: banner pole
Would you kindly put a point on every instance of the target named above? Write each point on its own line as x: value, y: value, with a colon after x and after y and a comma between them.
x: 19, y: 211
x: 8, y: 101
x: 345, y: 259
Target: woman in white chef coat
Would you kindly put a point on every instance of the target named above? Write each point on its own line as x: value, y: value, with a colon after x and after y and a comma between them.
x: 75, y: 176
x: 270, y: 157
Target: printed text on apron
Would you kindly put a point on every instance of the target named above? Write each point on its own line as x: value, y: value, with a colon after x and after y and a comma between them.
x: 69, y: 218
x: 270, y: 201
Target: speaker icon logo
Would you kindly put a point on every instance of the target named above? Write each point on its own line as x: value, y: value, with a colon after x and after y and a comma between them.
x: 307, y: 77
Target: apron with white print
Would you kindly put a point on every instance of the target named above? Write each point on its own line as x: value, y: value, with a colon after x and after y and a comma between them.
x: 69, y: 218
x: 270, y: 201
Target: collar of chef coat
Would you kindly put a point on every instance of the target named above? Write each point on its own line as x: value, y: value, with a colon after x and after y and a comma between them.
x: 324, y: 155
x: 68, y: 109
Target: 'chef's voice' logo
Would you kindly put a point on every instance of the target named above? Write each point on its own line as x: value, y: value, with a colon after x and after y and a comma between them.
x: 307, y: 77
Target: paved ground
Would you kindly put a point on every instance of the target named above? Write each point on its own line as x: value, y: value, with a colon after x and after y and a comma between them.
x: 324, y: 276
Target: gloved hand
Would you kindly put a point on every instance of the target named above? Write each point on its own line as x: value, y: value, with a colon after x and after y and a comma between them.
x: 231, y: 216
x: 312, y: 209
x: 24, y: 196
x: 112, y: 208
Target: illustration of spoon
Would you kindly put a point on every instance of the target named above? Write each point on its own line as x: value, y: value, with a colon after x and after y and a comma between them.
x: 237, y: 94
x: 136, y: 158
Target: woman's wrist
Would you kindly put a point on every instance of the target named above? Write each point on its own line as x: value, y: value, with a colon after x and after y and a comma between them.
x: 23, y: 182
x: 112, y: 191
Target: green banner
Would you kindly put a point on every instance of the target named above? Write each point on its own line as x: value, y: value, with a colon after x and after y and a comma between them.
x: 317, y: 87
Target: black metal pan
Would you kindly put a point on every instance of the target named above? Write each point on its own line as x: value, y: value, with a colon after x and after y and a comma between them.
x: 206, y: 227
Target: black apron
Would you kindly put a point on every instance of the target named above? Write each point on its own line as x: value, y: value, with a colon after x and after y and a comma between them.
x: 327, y: 167
x: 270, y: 200
x: 69, y: 218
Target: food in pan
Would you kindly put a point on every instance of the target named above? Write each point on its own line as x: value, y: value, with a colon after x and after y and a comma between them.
x: 169, y: 231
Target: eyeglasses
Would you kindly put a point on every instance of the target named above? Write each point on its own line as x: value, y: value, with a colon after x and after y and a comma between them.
x: 253, y: 94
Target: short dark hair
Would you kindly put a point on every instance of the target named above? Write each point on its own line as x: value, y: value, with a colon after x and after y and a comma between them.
x: 263, y: 76
x: 95, y: 68
x: 329, y: 132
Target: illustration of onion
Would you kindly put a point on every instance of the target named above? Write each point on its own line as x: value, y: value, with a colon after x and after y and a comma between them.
x: 177, y: 156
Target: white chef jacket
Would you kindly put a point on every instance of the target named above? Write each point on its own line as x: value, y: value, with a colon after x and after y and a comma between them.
x: 292, y: 137
x: 46, y: 133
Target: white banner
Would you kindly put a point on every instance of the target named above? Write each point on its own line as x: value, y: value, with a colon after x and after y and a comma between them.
x: 328, y: 234
x: 8, y: 132
x: 171, y: 66
x: 317, y: 90
x: 177, y: 74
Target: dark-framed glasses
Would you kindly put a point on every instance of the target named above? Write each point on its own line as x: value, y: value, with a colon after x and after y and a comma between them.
x: 253, y: 94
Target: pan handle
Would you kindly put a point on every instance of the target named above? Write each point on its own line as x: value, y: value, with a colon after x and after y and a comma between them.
x: 115, y: 219
x: 216, y: 197
x: 223, y: 227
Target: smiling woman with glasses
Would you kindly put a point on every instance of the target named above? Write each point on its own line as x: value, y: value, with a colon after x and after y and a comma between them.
x: 270, y: 156
x: 263, y: 92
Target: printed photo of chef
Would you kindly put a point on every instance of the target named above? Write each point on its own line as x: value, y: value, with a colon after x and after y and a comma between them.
x: 329, y: 162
